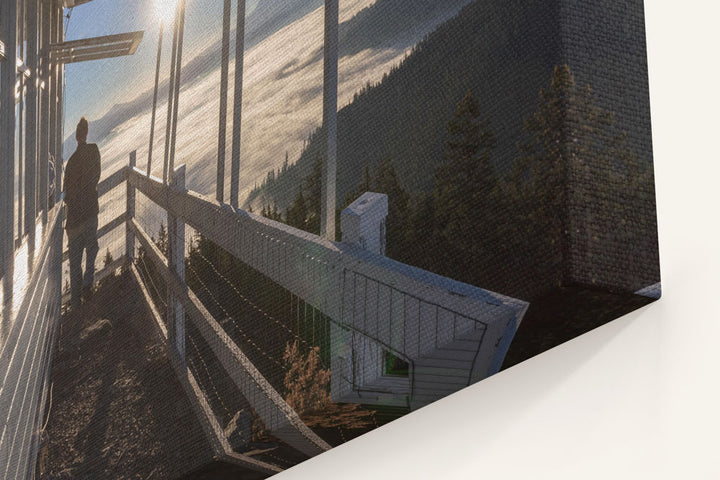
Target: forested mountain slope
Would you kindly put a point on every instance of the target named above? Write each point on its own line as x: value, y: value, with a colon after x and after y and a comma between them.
x: 504, y: 52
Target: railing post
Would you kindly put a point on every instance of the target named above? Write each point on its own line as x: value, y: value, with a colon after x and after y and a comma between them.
x: 176, y: 262
x: 32, y: 123
x: 130, y: 213
x: 44, y: 112
x: 237, y: 105
x: 8, y: 31
x: 222, y: 127
x: 330, y: 89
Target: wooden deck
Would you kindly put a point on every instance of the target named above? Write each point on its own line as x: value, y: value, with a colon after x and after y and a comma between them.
x: 117, y: 409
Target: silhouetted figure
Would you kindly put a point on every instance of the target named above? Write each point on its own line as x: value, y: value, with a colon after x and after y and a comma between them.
x: 81, y: 179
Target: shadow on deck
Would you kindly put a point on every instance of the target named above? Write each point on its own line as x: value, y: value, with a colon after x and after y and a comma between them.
x: 117, y: 408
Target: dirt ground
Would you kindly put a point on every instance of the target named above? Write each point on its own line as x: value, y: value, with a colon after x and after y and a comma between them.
x: 117, y: 410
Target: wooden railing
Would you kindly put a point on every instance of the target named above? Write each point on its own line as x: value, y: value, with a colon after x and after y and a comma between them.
x: 370, y: 300
x: 407, y: 310
x: 26, y: 356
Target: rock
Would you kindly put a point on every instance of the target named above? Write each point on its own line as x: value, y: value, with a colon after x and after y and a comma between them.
x: 99, y: 327
x: 239, y: 431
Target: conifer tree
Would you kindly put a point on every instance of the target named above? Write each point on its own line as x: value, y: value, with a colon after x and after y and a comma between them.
x: 297, y: 213
x: 571, y: 174
x: 364, y: 186
x: 313, y: 189
x: 464, y: 186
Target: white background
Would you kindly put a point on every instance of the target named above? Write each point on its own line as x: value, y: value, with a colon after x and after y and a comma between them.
x: 637, y: 398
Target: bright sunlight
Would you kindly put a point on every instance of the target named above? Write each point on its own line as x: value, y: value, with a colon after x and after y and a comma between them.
x: 165, y: 10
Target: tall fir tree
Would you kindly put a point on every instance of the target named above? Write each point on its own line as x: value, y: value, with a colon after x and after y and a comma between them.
x: 464, y: 185
x: 364, y: 186
x: 568, y: 179
x: 297, y: 214
x: 313, y: 198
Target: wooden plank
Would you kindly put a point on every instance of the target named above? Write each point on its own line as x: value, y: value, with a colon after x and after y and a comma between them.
x: 112, y: 225
x: 54, y: 227
x: 103, y: 40
x: 62, y: 55
x: 34, y: 387
x: 112, y: 181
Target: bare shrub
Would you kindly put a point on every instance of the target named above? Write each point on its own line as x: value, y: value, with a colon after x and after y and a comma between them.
x: 307, y: 385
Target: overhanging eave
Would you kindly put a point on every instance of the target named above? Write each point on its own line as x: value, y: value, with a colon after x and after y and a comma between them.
x: 96, y: 48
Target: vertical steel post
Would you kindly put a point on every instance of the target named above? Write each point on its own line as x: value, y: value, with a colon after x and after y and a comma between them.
x: 59, y: 131
x: 237, y: 104
x: 130, y: 212
x: 155, y: 95
x: 31, y: 120
x: 222, y: 127
x: 330, y: 88
x: 44, y: 116
x: 176, y: 102
x: 52, y: 130
x: 176, y: 261
x: 8, y: 30
x: 21, y: 117
x: 171, y: 86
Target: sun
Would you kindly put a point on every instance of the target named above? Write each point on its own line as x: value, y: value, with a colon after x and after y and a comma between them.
x: 165, y: 10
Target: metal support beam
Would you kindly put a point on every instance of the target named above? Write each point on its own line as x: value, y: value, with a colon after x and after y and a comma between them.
x: 59, y: 125
x: 171, y: 86
x: 31, y: 120
x: 20, y: 117
x: 53, y: 89
x: 330, y: 88
x: 130, y: 214
x: 222, y: 127
x: 176, y: 261
x: 44, y: 112
x: 155, y: 94
x: 237, y: 104
x: 8, y: 30
x: 176, y: 101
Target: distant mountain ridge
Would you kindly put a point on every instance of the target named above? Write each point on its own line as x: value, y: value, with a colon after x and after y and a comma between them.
x: 368, y: 29
x: 267, y: 18
x: 504, y: 51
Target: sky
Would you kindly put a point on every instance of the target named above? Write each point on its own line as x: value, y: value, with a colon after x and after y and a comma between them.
x: 121, y: 76
x: 279, y: 111
x: 282, y: 93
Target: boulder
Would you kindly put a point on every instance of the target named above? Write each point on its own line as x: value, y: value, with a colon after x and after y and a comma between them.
x: 101, y: 326
x: 239, y: 431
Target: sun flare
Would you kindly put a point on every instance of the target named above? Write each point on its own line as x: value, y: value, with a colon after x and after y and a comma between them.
x: 165, y: 10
